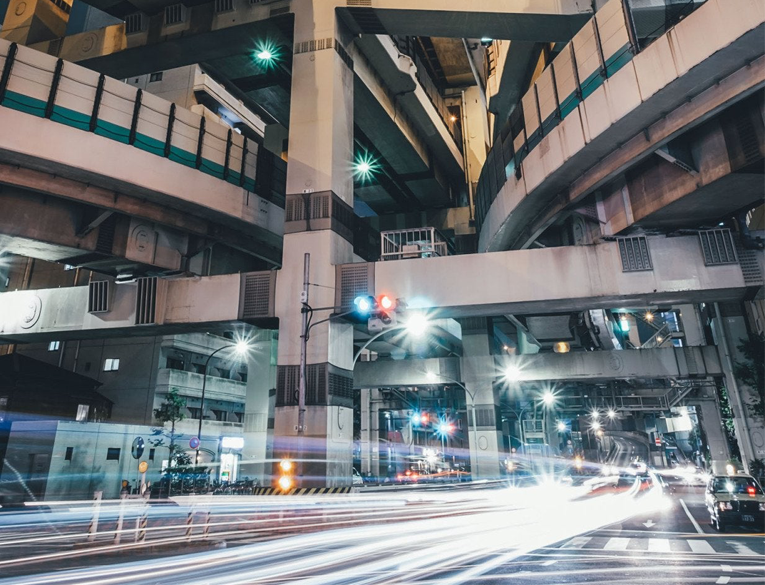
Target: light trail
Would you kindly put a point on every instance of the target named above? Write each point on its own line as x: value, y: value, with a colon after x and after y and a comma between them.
x: 362, y: 539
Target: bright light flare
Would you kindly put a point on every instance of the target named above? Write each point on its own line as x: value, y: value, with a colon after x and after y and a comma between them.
x: 611, y: 413
x: 595, y: 426
x: 363, y: 304
x: 286, y: 465
x: 417, y: 324
x: 285, y: 482
x: 365, y: 167
x: 512, y: 374
x: 431, y: 376
x: 386, y: 302
x: 562, y: 426
x: 548, y: 398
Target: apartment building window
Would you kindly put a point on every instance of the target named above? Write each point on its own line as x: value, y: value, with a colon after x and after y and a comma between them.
x: 194, y: 412
x: 175, y: 364
x: 111, y: 364
x: 221, y: 415
x: 198, y: 368
x: 155, y: 76
x: 82, y: 412
x: 151, y: 454
x: 54, y: 345
x: 113, y: 454
x: 69, y: 453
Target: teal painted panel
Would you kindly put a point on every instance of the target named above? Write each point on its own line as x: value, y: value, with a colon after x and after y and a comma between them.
x: 71, y: 118
x: 149, y: 144
x: 109, y: 130
x: 211, y: 168
x: 618, y: 60
x: 590, y: 84
x: 22, y: 103
x: 182, y: 157
x: 568, y: 105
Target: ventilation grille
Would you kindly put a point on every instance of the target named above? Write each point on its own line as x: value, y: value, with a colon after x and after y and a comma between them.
x: 135, y: 23
x: 295, y: 209
x: 358, y: 3
x: 105, y: 240
x: 485, y: 417
x: 98, y: 296
x: 750, y: 267
x: 367, y: 20
x: 324, y: 384
x: 341, y: 386
x: 175, y: 14
x: 313, y: 45
x: 257, y: 295
x: 340, y: 50
x: 320, y: 206
x: 354, y: 282
x: 287, y: 380
x: 718, y: 247
x: 635, y: 254
x: 224, y: 5
x: 146, y: 301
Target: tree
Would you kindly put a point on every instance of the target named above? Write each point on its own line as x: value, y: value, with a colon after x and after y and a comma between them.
x: 751, y: 371
x: 172, y: 411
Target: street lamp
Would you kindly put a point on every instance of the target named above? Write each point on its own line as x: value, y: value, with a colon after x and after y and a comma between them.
x: 240, y: 348
x: 595, y: 426
x: 611, y: 413
x: 562, y: 428
x: 595, y: 414
x: 548, y: 398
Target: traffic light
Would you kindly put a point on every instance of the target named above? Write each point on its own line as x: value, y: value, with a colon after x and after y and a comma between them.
x: 381, y: 312
x: 420, y: 419
x: 286, y: 480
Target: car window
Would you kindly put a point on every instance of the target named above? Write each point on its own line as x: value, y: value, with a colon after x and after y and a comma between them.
x: 736, y: 485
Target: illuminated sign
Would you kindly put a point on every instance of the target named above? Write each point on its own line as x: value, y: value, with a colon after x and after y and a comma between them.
x: 232, y: 442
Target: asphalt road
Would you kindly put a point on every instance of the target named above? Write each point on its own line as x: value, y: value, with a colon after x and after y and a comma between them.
x: 551, y: 535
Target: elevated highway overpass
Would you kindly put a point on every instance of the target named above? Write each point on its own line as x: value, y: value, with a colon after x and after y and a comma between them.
x: 517, y: 282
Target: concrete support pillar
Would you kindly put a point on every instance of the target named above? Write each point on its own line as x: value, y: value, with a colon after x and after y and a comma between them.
x: 476, y: 130
x: 35, y: 21
x: 320, y: 185
x: 730, y: 330
x: 691, y: 324
x: 261, y: 378
x: 484, y: 421
x: 711, y: 424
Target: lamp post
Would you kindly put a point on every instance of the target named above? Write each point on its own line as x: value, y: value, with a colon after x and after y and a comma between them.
x: 240, y: 348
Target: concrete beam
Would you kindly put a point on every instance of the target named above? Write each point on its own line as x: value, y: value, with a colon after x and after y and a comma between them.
x: 685, y: 362
x: 558, y: 280
x: 179, y: 305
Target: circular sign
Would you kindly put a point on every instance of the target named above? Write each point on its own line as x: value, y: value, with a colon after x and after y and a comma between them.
x: 137, y: 448
x: 194, y: 443
x: 142, y: 467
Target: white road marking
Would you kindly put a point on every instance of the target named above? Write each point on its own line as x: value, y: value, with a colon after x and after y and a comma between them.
x: 723, y: 580
x: 741, y: 549
x: 691, y: 518
x: 726, y: 569
x: 617, y: 544
x: 577, y: 542
x: 658, y: 545
x: 548, y: 563
x: 700, y: 546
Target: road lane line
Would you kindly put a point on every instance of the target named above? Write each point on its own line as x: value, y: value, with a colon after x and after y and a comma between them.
x: 577, y: 542
x: 548, y: 563
x: 723, y: 580
x: 726, y: 569
x: 700, y: 546
x: 658, y: 545
x: 741, y: 549
x: 691, y: 518
x: 617, y: 543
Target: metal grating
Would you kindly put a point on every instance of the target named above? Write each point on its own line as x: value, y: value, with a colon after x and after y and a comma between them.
x: 340, y: 386
x: 718, y: 247
x: 750, y: 267
x: 635, y: 254
x: 175, y: 14
x: 354, y: 281
x: 135, y: 23
x: 98, y: 296
x: 224, y: 5
x: 146, y: 301
x: 320, y: 205
x: 485, y: 417
x: 287, y: 380
x: 257, y: 295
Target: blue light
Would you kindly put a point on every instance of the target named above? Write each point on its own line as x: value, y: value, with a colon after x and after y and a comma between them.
x: 624, y: 325
x: 416, y: 418
x: 363, y: 305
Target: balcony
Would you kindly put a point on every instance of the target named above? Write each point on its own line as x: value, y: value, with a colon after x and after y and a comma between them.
x: 190, y: 384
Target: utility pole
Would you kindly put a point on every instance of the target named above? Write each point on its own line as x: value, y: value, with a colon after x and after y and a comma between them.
x: 303, y: 355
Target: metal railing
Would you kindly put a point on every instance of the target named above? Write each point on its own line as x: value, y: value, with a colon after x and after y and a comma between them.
x: 413, y: 243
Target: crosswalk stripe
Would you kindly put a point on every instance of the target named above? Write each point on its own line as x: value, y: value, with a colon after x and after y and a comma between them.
x: 617, y: 543
x: 700, y: 546
x: 741, y: 549
x: 658, y: 545
x: 577, y: 542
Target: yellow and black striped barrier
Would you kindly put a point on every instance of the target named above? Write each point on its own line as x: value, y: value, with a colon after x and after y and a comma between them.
x: 315, y: 491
